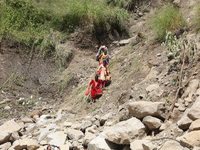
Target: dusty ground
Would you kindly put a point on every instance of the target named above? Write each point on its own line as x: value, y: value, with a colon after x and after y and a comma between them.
x: 37, y: 79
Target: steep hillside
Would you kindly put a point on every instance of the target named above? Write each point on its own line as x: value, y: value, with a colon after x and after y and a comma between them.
x: 154, y: 67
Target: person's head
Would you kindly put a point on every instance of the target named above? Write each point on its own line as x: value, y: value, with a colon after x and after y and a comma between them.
x: 49, y: 147
x: 96, y: 77
x: 105, y: 51
x: 71, y: 148
x: 85, y: 146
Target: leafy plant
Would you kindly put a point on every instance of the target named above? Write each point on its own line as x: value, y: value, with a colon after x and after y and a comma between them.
x: 168, y: 18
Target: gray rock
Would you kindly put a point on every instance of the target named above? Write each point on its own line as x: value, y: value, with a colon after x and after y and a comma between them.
x: 151, y: 122
x: 7, y: 129
x: 148, y: 145
x: 14, y: 136
x: 88, y: 137
x: 85, y: 124
x: 57, y: 138
x: 141, y: 109
x: 195, y: 125
x: 124, y: 42
x: 7, y: 107
x: 194, y: 112
x: 190, y: 139
x: 173, y: 145
x: 67, y: 124
x: 5, y: 146
x: 126, y: 131
x: 99, y: 143
x: 27, y: 120
x: 76, y: 126
x: 74, y: 134
x: 185, y: 121
x: 25, y: 144
x: 49, y: 129
x: 105, y: 118
x: 61, y: 118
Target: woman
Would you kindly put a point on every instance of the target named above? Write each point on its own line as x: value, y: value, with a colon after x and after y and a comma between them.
x: 100, y: 53
x: 103, y: 73
x: 95, y: 90
x: 104, y: 56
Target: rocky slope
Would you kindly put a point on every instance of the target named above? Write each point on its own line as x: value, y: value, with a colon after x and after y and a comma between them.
x: 130, y: 115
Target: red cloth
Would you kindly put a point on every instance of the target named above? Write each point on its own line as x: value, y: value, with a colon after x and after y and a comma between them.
x: 87, y: 92
x: 95, y: 89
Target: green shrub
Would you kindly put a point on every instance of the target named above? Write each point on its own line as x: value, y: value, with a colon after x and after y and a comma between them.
x: 168, y: 18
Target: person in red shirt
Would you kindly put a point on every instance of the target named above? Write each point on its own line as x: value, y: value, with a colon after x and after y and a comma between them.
x: 95, y: 89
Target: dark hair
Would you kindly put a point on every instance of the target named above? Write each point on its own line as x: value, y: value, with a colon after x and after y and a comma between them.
x: 48, y: 147
x: 104, y: 61
x: 71, y: 147
x: 85, y: 145
x: 96, y: 76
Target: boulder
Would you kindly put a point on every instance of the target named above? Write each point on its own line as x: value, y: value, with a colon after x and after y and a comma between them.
x: 185, y: 121
x: 74, y: 134
x: 7, y: 129
x: 124, y: 42
x: 172, y: 145
x: 42, y: 121
x: 126, y: 131
x: 170, y: 130
x: 196, y: 148
x: 30, y: 127
x: 88, y: 137
x: 5, y: 146
x: 105, y: 118
x: 191, y: 139
x: 151, y: 122
x: 99, y: 143
x: 57, y: 138
x: 136, y: 145
x: 76, y: 126
x: 27, y: 120
x: 49, y: 129
x: 147, y: 145
x: 152, y: 87
x: 195, y: 125
x: 85, y: 124
x: 142, y: 145
x: 26, y: 143
x: 67, y: 124
x: 66, y: 146
x: 14, y: 136
x: 194, y: 112
x: 91, y: 129
x: 61, y: 118
x: 191, y: 88
x: 142, y: 109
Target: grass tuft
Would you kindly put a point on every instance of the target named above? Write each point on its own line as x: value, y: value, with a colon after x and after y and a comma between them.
x: 168, y: 18
x: 197, y: 18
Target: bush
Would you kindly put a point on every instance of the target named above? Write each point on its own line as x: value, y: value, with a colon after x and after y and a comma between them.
x: 168, y: 18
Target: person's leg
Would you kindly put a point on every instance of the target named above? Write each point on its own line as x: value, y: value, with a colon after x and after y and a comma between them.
x: 104, y: 84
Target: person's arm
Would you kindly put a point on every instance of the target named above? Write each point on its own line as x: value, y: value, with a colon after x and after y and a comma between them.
x: 90, y: 84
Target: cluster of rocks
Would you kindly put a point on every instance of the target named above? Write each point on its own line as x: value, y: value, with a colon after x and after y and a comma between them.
x: 144, y: 130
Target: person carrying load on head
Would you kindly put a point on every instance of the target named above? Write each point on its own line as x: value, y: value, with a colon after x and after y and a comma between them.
x: 100, y: 53
x: 103, y: 73
x: 95, y: 89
